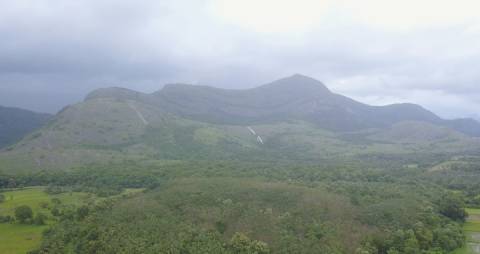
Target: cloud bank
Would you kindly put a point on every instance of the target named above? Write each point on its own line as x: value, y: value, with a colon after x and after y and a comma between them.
x: 53, y: 52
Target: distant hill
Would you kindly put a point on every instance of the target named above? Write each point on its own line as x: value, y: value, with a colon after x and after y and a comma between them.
x: 295, y: 118
x: 16, y: 123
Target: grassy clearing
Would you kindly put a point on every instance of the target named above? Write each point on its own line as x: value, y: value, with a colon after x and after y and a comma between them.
x: 17, y: 238
x: 464, y: 250
x: 35, y: 196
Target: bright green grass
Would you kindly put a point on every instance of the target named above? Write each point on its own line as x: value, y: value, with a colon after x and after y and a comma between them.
x: 472, y: 226
x: 464, y: 250
x: 16, y: 238
x: 473, y: 211
x: 34, y: 196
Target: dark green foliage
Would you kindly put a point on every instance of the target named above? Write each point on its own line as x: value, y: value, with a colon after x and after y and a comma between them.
x: 82, y: 212
x: 200, y: 205
x: 241, y: 244
x: 40, y: 219
x: 6, y: 219
x: 55, y: 211
x: 186, y: 214
x: 23, y: 213
x: 453, y: 207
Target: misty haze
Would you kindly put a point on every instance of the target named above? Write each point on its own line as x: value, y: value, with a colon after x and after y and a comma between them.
x: 239, y: 127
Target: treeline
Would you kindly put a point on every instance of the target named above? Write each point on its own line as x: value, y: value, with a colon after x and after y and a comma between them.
x: 100, y: 180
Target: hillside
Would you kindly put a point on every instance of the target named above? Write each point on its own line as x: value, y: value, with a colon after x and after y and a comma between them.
x: 288, y: 167
x: 291, y: 119
x: 297, y: 97
x: 16, y: 123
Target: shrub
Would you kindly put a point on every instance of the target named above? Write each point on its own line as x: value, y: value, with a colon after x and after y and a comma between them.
x: 40, y: 219
x: 23, y: 213
x: 5, y: 219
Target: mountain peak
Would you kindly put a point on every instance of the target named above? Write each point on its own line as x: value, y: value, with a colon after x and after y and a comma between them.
x: 298, y: 84
x: 113, y: 93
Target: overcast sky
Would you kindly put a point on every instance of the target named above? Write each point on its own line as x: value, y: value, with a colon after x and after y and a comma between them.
x: 53, y: 52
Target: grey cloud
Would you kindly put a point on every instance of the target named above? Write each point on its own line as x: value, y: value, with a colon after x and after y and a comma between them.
x: 54, y: 52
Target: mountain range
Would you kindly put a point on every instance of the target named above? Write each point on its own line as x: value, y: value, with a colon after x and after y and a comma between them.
x: 294, y: 118
x: 296, y: 97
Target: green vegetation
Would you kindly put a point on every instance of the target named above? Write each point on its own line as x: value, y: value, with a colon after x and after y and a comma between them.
x: 218, y: 211
x: 340, y: 208
x: 23, y: 213
x: 19, y: 239
x: 26, y: 213
x: 184, y: 171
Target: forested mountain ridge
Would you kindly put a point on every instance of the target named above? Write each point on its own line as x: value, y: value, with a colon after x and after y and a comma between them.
x: 296, y: 97
x: 292, y: 119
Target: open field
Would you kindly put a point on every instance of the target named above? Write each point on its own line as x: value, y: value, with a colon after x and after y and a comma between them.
x: 17, y: 238
x: 35, y: 196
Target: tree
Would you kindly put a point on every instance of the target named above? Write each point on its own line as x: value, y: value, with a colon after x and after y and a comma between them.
x: 56, y: 201
x: 82, y: 212
x: 367, y: 248
x: 240, y: 244
x: 452, y: 206
x: 11, y: 183
x: 423, y: 235
x: 40, y: 219
x: 56, y: 212
x: 23, y: 213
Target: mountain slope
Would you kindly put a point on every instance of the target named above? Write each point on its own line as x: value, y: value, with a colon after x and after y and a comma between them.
x: 16, y: 123
x: 292, y: 119
x: 297, y: 97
